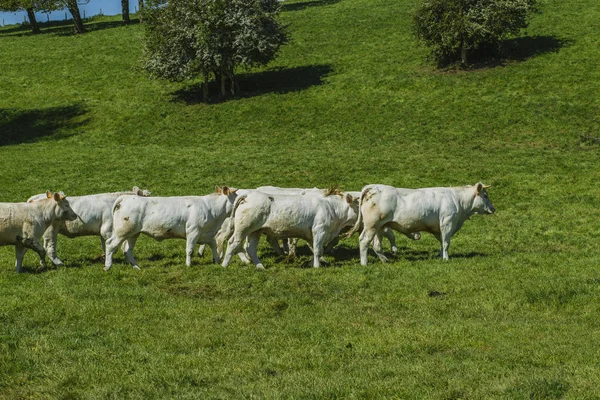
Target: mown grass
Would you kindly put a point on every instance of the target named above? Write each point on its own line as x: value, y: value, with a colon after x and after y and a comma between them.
x: 351, y: 100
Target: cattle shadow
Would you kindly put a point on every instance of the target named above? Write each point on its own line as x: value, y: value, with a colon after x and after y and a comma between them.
x: 276, y: 80
x: 307, y: 4
x: 514, y: 50
x: 27, y: 126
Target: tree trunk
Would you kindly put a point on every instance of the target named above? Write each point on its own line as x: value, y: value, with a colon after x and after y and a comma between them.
x: 232, y: 82
x: 140, y: 8
x: 463, y: 53
x: 32, y: 21
x: 223, y: 88
x: 74, y: 10
x: 125, y: 11
x: 205, y: 89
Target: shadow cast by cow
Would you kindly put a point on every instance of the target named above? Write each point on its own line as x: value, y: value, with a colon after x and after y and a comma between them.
x: 26, y: 126
x: 276, y: 80
x: 306, y: 4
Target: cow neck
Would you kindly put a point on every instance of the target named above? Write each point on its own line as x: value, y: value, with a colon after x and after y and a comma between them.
x: 466, y: 200
x: 48, y: 213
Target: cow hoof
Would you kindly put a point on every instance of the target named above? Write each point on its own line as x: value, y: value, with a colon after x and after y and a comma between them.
x: 383, y: 259
x: 394, y: 249
x: 137, y: 267
x: 260, y: 266
x: 106, y: 269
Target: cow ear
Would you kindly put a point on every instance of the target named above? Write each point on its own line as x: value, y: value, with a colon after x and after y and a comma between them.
x: 48, y: 194
x: 349, y: 198
x: 136, y: 190
x: 56, y: 196
x: 232, y: 190
x: 479, y: 187
x: 226, y: 190
x: 218, y: 189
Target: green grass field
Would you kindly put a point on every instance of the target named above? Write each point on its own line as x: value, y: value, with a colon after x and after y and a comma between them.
x: 351, y: 100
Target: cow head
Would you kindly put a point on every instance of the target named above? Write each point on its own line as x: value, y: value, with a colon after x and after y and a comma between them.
x: 353, y: 202
x: 136, y: 190
x: 62, y: 209
x: 227, y: 191
x: 482, y: 203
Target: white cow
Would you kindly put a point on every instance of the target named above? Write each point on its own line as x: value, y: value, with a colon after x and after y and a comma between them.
x: 440, y: 211
x: 194, y: 218
x: 227, y: 230
x: 387, y: 233
x: 316, y: 219
x: 23, y: 224
x: 95, y: 219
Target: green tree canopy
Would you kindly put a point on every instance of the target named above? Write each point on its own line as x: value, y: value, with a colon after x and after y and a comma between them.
x: 451, y: 28
x: 186, y: 39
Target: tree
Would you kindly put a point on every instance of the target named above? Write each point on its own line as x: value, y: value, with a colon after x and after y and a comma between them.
x: 125, y: 11
x: 30, y: 6
x: 453, y: 28
x: 187, y: 39
x: 74, y: 10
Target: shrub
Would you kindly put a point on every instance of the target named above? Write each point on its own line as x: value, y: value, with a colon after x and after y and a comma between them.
x: 453, y: 28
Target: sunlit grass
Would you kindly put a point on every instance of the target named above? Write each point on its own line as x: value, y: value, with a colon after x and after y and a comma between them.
x: 351, y: 100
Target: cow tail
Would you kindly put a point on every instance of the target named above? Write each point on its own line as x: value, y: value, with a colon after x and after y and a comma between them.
x: 356, y: 227
x: 240, y: 200
x: 117, y: 204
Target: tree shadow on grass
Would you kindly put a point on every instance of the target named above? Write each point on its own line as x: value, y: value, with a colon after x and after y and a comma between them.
x: 515, y: 50
x: 306, y: 4
x: 275, y: 80
x: 26, y: 126
x: 64, y: 28
x: 507, y: 52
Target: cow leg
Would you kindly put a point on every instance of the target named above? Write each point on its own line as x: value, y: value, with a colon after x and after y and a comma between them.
x: 127, y: 248
x: 365, y: 238
x: 331, y: 245
x: 253, y: 247
x: 112, y: 244
x: 285, y: 246
x: 50, y: 239
x: 20, y: 253
x: 389, y: 235
x: 235, y: 246
x: 292, y: 243
x: 215, y: 253
x: 445, y: 234
x: 377, y: 247
x: 35, y: 245
x: 275, y: 244
x: 318, y: 247
x: 191, y: 240
x: 201, y: 250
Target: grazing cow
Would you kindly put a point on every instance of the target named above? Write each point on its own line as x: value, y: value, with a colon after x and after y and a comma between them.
x: 95, y: 219
x: 317, y: 219
x: 194, y: 218
x: 440, y: 211
x: 22, y: 224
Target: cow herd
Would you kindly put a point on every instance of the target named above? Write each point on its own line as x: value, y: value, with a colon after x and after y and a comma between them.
x: 239, y: 217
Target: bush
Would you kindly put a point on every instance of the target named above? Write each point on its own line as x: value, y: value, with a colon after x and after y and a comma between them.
x: 186, y: 39
x: 453, y: 28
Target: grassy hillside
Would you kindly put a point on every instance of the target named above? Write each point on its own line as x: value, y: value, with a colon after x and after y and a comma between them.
x: 351, y: 100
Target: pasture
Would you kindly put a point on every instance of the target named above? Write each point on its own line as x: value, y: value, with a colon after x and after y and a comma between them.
x: 351, y: 100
